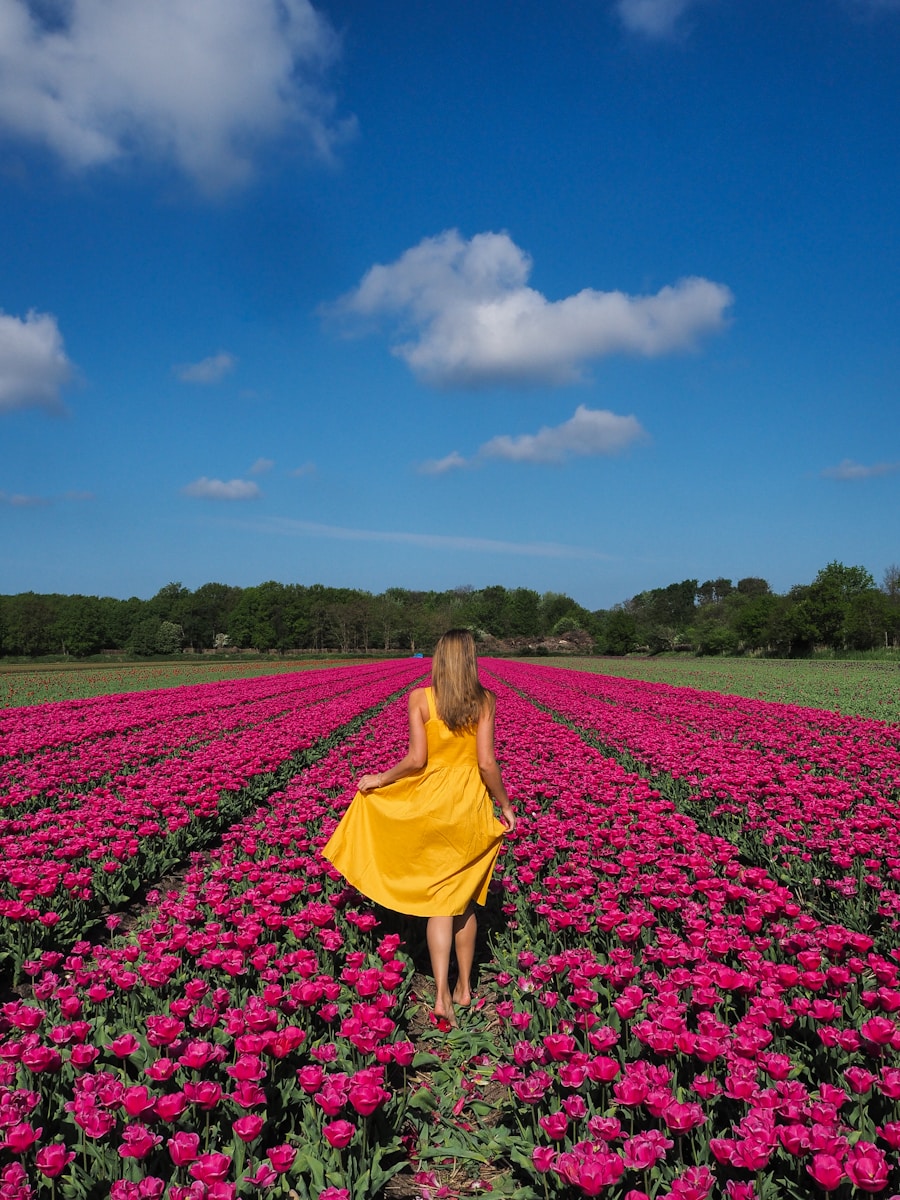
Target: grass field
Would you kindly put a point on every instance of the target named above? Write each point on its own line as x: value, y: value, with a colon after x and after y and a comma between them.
x: 853, y: 687
x: 22, y: 683
x: 866, y: 689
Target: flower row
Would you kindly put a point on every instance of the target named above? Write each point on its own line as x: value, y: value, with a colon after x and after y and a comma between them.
x: 62, y: 863
x: 833, y: 836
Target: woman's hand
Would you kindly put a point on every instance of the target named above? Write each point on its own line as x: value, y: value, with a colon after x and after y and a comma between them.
x: 368, y: 783
x: 509, y: 819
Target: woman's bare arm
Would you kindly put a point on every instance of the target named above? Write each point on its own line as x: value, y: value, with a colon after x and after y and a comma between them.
x: 416, y: 756
x: 487, y: 763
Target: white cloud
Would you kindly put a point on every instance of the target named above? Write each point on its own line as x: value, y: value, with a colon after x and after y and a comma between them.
x: 427, y: 541
x: 475, y: 321
x: 208, y: 370
x: 20, y: 500
x: 33, y: 362
x: 850, y: 470
x: 218, y: 489
x: 652, y: 18
x: 304, y: 470
x: 262, y: 466
x: 439, y: 466
x: 199, y: 83
x: 588, y: 433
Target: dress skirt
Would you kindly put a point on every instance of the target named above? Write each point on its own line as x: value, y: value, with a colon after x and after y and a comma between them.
x: 427, y: 844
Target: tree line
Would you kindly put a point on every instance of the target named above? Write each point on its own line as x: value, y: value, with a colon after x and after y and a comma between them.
x: 842, y: 609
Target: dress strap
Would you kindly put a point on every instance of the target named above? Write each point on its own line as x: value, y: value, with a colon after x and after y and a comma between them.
x: 432, y: 710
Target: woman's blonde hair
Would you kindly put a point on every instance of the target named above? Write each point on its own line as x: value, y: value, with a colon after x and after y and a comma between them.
x: 458, y: 695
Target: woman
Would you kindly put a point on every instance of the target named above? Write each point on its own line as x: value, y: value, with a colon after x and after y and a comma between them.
x: 422, y: 838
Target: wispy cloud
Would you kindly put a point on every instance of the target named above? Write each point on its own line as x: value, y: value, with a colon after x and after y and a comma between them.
x: 34, y: 366
x: 589, y: 433
x: 262, y: 466
x: 201, y: 84
x: 22, y: 500
x: 850, y: 470
x: 219, y: 489
x: 304, y: 470
x: 287, y: 527
x: 207, y: 370
x: 475, y: 321
x: 653, y: 18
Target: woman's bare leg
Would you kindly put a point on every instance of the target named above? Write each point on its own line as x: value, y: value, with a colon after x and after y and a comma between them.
x: 439, y: 935
x: 465, y: 928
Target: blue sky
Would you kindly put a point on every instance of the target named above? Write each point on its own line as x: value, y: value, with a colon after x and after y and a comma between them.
x: 590, y: 297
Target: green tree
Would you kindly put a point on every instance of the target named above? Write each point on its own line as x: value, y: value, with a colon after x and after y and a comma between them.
x: 867, y: 623
x: 829, y: 599
x: 206, y: 612
x: 30, y: 619
x: 753, y: 586
x: 714, y: 591
x: 171, y: 603
x: 620, y: 635
x: 169, y: 638
x: 523, y: 613
x: 751, y: 619
x: 491, y: 611
x: 143, y: 639
x: 80, y: 627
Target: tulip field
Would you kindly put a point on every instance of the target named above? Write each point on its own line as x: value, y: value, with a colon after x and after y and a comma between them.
x: 688, y: 980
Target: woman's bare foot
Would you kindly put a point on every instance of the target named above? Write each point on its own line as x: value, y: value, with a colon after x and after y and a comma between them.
x: 462, y: 997
x: 443, y: 1009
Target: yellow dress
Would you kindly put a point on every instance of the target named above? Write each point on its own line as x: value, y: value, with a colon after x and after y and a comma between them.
x: 425, y: 845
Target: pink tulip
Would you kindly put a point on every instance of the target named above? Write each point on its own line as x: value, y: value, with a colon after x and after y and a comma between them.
x: 210, y: 1168
x: 282, y: 1158
x: 138, y: 1141
x: 555, y: 1125
x: 52, y: 1160
x: 183, y: 1148
x: 339, y: 1133
x: 124, y: 1046
x: 827, y: 1171
x: 248, y: 1128
x: 867, y: 1167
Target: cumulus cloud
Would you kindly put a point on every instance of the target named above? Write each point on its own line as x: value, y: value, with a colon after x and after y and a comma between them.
x: 588, y: 433
x: 207, y: 370
x: 219, y: 489
x: 262, y: 466
x: 475, y: 321
x: 33, y: 362
x: 653, y: 18
x: 197, y: 83
x: 850, y: 470
x: 440, y: 466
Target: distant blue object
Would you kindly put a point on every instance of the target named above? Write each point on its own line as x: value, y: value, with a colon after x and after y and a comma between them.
x: 418, y: 656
